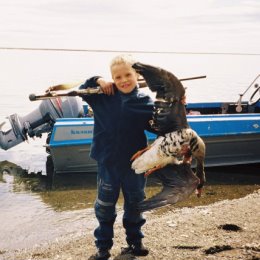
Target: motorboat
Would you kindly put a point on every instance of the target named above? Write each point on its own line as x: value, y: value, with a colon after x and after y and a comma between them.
x: 230, y: 130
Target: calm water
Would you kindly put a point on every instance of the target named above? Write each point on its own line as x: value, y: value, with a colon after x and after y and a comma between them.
x: 33, y: 210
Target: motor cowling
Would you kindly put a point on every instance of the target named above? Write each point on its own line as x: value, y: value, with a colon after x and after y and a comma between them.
x: 39, y: 121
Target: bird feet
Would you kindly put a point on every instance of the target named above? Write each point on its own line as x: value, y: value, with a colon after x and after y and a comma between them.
x: 199, y: 189
x: 152, y: 170
x: 187, y: 159
x: 198, y: 192
x: 187, y: 155
x: 139, y: 153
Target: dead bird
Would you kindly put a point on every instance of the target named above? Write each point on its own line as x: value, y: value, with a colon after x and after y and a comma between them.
x: 175, y: 138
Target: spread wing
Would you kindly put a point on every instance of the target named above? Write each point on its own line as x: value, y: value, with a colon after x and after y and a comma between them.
x: 178, y: 181
x: 161, y: 81
x: 169, y: 111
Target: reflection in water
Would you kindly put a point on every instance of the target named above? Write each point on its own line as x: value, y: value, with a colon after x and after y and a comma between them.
x: 25, y: 218
x: 78, y: 190
x: 37, y: 208
x: 70, y: 191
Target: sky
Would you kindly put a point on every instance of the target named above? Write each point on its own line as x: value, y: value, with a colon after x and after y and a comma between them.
x: 218, y: 26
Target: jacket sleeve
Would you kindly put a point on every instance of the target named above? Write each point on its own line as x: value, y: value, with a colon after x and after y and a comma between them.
x: 90, y: 83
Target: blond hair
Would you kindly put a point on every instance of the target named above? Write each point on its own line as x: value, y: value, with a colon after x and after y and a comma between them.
x: 122, y: 59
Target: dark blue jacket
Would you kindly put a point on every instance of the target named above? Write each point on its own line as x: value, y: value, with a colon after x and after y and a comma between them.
x: 120, y: 121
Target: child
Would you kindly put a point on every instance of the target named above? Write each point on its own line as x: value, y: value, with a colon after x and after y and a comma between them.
x: 120, y: 117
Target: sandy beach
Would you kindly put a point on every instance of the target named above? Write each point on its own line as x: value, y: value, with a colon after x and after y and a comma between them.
x: 229, y: 229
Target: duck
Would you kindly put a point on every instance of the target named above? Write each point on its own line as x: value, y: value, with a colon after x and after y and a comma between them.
x: 177, y: 143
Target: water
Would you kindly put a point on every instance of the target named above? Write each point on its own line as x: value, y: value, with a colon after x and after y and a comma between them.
x: 27, y: 220
x: 33, y: 210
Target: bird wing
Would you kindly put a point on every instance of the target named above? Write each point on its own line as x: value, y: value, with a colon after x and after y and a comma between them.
x: 164, y: 83
x: 169, y: 111
x: 178, y: 181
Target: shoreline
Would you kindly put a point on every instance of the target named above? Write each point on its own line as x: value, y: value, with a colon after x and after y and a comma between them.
x: 177, y: 233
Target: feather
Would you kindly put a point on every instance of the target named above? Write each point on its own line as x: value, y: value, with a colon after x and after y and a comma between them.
x: 167, y: 153
x: 178, y: 181
x: 164, y: 83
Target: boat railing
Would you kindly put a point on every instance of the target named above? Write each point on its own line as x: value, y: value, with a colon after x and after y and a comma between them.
x: 253, y: 99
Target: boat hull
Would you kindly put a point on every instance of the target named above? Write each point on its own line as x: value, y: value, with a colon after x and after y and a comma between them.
x: 229, y: 139
x: 232, y: 150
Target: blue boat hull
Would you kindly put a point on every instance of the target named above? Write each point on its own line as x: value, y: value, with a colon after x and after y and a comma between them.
x: 230, y: 139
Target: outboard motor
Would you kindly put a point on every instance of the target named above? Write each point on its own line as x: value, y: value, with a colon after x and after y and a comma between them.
x: 39, y: 121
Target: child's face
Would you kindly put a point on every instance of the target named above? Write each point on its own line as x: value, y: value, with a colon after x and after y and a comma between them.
x: 125, y: 77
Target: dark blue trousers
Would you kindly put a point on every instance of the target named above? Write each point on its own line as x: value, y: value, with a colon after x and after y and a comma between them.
x: 110, y: 179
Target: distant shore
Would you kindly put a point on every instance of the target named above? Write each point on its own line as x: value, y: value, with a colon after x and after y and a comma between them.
x: 224, y: 230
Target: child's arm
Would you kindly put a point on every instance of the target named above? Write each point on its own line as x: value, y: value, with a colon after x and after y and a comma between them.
x: 106, y: 86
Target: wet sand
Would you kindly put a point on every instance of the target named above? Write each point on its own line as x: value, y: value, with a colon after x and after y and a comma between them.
x: 187, y: 230
x: 186, y: 233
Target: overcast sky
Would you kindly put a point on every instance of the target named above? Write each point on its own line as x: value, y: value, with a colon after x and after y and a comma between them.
x: 144, y: 25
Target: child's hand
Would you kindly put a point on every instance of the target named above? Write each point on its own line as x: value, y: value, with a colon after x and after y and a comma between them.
x: 106, y: 86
